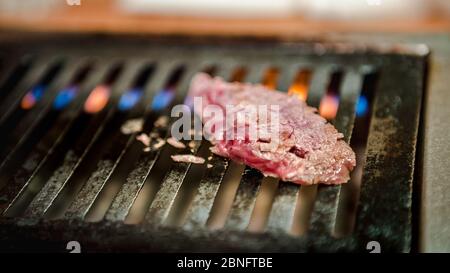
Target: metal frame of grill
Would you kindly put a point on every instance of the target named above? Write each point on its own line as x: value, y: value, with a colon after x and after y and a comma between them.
x: 48, y: 161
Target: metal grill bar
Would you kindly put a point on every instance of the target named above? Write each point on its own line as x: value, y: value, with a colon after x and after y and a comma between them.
x: 390, y: 157
x: 287, y: 76
x: 12, y: 75
x: 323, y: 217
x: 319, y: 83
x: 256, y: 72
x: 283, y: 207
x: 207, y: 191
x: 226, y: 69
x: 244, y: 201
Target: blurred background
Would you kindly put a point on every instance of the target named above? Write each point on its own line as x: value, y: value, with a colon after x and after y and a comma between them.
x: 231, y: 17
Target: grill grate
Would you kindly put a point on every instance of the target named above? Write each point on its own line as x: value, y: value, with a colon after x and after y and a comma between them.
x: 69, y: 173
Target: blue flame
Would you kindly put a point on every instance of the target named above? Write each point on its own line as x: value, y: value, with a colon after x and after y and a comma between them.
x: 64, y: 97
x: 129, y: 99
x: 33, y: 96
x: 162, y: 99
x: 38, y: 92
x: 362, y: 107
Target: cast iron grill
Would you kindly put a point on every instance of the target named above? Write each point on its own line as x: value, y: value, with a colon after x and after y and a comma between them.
x: 68, y: 173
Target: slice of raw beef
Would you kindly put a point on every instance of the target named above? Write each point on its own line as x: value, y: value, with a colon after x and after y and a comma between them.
x: 292, y: 141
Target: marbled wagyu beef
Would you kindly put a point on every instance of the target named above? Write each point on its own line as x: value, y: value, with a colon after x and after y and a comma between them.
x: 307, y: 150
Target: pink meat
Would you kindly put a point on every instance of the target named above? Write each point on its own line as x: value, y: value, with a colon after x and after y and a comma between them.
x: 308, y: 150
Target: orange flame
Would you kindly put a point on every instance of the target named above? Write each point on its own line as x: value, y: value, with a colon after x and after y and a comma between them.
x: 300, y: 90
x: 300, y: 85
x: 28, y: 101
x: 97, y: 100
x: 270, y: 78
x: 329, y: 106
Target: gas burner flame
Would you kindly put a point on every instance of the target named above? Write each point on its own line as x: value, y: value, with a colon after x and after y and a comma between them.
x: 32, y: 97
x: 329, y: 106
x: 98, y: 99
x: 65, y: 97
x: 129, y: 99
x: 162, y: 99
